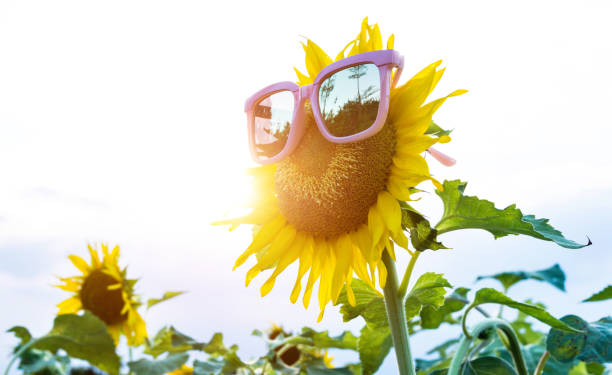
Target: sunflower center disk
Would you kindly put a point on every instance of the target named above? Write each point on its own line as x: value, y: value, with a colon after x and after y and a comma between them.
x: 103, y: 303
x: 326, y: 189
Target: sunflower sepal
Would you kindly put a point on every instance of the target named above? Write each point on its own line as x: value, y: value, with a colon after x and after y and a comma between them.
x: 422, y: 235
x: 165, y: 297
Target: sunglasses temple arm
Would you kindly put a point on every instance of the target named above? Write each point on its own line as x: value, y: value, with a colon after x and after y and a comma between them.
x: 398, y: 72
x: 442, y: 158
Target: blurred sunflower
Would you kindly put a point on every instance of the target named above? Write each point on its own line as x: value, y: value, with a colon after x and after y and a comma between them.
x: 335, y: 207
x: 104, y: 290
x: 184, y: 370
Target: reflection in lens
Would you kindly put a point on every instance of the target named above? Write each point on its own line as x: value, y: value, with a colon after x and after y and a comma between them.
x: 348, y: 99
x: 272, y: 117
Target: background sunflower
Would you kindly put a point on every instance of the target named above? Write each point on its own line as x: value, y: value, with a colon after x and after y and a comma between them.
x: 336, y: 207
x: 104, y: 290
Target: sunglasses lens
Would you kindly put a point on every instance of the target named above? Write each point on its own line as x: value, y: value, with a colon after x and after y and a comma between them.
x: 272, y: 122
x: 349, y: 99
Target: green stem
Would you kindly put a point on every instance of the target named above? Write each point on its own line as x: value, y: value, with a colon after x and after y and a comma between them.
x: 406, y: 279
x: 18, y: 354
x: 542, y: 363
x: 488, y: 324
x: 397, y: 318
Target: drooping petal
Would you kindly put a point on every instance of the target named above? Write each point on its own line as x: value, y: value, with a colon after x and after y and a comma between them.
x: 390, y: 211
x: 375, y: 224
x: 315, y: 270
x: 344, y: 251
x: 290, y: 256
x: 279, y: 245
x: 305, y: 264
x: 262, y: 238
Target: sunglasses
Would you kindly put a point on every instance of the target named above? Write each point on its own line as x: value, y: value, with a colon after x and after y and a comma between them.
x: 349, y: 100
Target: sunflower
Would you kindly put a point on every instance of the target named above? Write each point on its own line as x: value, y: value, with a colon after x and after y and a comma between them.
x: 183, y: 370
x: 104, y: 290
x: 335, y: 208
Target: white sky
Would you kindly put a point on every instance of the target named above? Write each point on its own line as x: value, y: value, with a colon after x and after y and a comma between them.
x: 122, y: 121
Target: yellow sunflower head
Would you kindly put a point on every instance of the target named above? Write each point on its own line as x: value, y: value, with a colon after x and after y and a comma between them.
x: 103, y: 289
x: 336, y: 207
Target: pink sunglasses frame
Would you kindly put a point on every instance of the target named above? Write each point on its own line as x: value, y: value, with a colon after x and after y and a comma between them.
x: 385, y: 60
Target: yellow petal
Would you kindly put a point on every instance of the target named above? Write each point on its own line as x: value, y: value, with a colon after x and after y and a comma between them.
x: 390, y: 249
x: 340, y: 55
x: 398, y: 188
x: 114, y: 287
x: 305, y: 264
x: 254, y: 271
x: 262, y: 238
x: 360, y: 266
x: 115, y: 332
x: 382, y: 274
x: 391, y: 41
x: 70, y: 285
x: 286, y: 259
x: 80, y: 264
x: 375, y: 224
x: 303, y: 79
x: 279, y: 246
x: 390, y: 211
x: 413, y: 145
x: 344, y: 252
x: 375, y: 38
x: 328, y: 264
x: 349, y: 294
x: 315, y: 270
x: 69, y: 306
x: 95, y: 260
x: 400, y: 239
x: 409, y: 165
x: 363, y: 36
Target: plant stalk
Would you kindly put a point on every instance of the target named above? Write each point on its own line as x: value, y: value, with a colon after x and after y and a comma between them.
x: 406, y: 279
x: 488, y: 324
x: 22, y: 349
x: 396, y: 315
x: 542, y: 363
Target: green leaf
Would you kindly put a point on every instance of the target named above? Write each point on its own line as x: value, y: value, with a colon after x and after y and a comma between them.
x: 41, y: 362
x: 435, y: 130
x: 320, y: 370
x: 464, y: 212
x: 602, y: 295
x: 84, y: 337
x: 422, y: 235
x: 523, y: 328
x: 490, y: 295
x: 215, y: 346
x: 428, y: 291
x: 553, y: 275
x: 165, y: 297
x: 169, y: 340
x: 374, y: 345
x: 432, y: 317
x: 159, y: 366
x: 592, y: 344
x: 483, y: 366
x: 368, y: 304
x: 211, y: 366
x: 21, y: 333
x: 322, y: 340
